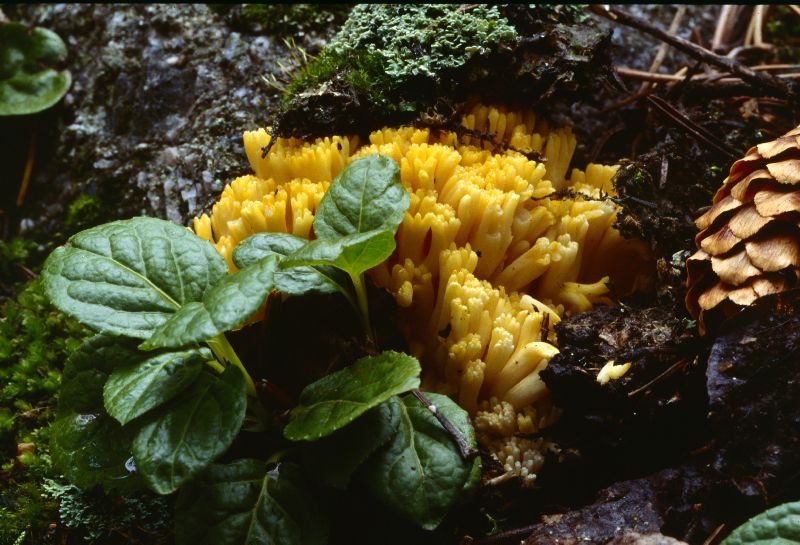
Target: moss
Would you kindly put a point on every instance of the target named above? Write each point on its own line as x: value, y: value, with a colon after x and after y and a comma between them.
x: 389, y: 64
x: 85, y: 211
x: 411, y: 40
x: 14, y: 255
x: 380, y: 47
x: 296, y: 19
x: 26, y: 513
x: 35, y: 340
x: 363, y: 70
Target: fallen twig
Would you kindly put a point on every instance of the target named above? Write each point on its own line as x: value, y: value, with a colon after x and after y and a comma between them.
x: 760, y: 79
x: 467, y: 452
x: 516, y: 534
x: 272, y: 132
x: 662, y: 51
x: 26, y: 175
x: 682, y: 121
x: 690, y: 126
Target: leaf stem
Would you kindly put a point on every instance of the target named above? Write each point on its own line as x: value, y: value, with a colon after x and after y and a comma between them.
x: 467, y: 452
x: 216, y: 366
x: 225, y: 352
x: 363, y: 305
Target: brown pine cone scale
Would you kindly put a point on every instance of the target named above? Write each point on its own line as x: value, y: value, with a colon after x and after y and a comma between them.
x: 749, y: 240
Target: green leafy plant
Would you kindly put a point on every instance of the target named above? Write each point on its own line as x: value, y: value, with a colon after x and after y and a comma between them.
x: 159, y: 394
x: 28, y: 83
x: 777, y: 526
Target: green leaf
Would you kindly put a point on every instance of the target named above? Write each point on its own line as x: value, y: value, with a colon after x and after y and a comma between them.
x: 777, y: 526
x: 296, y: 281
x: 225, y: 306
x: 28, y: 84
x: 244, y: 504
x: 87, y: 445
x: 339, y: 398
x: 92, y: 449
x: 87, y: 370
x: 366, y: 196
x: 128, y: 277
x: 353, y: 254
x: 184, y: 436
x: 133, y: 390
x: 333, y: 459
x: 420, y: 473
x: 256, y: 247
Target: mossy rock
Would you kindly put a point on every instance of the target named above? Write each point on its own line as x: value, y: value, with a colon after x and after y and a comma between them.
x: 391, y: 63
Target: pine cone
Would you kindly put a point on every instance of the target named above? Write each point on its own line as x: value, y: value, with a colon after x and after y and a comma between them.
x: 749, y: 242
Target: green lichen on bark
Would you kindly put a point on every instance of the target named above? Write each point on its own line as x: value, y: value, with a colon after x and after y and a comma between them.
x: 413, y: 39
x: 390, y: 63
x: 381, y: 48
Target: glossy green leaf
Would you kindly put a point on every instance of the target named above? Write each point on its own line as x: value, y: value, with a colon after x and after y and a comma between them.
x: 366, y: 196
x: 256, y: 247
x: 87, y: 445
x: 129, y: 277
x: 183, y: 437
x: 420, y: 473
x: 28, y: 83
x: 133, y: 390
x: 88, y: 368
x: 777, y: 526
x: 244, y: 504
x: 353, y: 254
x: 295, y: 281
x: 91, y: 449
x: 336, y: 400
x: 225, y: 306
x: 332, y: 460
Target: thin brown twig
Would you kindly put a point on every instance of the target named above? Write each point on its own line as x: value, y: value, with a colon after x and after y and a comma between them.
x: 664, y: 49
x: 690, y: 126
x: 728, y: 16
x: 710, y: 539
x: 633, y: 73
x: 760, y: 79
x: 758, y: 24
x: 508, y: 535
x: 671, y: 369
x: 273, y: 136
x: 794, y: 8
x: 26, y: 175
x: 467, y: 452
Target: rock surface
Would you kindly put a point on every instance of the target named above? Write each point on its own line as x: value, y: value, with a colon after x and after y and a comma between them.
x: 152, y: 124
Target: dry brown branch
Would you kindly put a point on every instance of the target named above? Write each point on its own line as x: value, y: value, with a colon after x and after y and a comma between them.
x: 725, y: 24
x: 761, y: 80
x: 664, y: 49
x: 642, y: 75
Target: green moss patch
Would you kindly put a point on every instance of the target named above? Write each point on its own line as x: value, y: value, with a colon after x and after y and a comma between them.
x: 391, y: 63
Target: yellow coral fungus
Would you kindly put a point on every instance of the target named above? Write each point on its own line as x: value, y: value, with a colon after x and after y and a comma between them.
x: 493, y: 250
